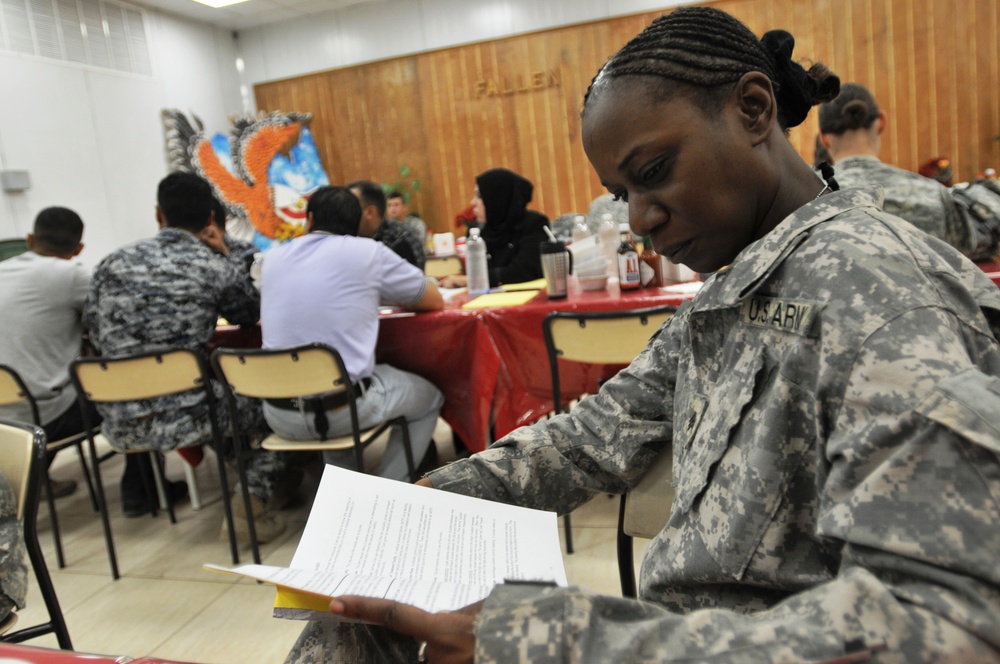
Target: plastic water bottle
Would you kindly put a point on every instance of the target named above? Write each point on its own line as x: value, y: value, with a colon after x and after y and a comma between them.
x: 607, y: 233
x: 581, y: 231
x: 475, y: 264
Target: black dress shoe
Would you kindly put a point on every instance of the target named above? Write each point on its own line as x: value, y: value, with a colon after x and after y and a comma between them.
x: 135, y: 506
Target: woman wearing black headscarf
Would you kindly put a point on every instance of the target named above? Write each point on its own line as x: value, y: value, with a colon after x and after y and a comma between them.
x: 513, y: 233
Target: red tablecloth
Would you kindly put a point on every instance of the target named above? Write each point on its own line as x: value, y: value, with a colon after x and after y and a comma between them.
x: 23, y: 653
x: 992, y: 270
x: 492, y: 364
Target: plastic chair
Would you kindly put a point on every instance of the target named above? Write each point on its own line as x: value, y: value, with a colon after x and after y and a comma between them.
x: 147, y: 376
x: 598, y: 337
x: 13, y: 390
x: 308, y: 371
x: 443, y: 267
x: 22, y: 461
x: 644, y: 512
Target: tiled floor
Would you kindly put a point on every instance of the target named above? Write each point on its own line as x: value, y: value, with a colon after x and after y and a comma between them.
x: 166, y: 605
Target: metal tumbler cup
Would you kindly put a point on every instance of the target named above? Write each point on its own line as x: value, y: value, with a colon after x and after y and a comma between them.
x: 557, y: 263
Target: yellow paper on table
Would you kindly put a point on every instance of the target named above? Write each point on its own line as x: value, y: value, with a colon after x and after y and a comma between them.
x: 536, y: 284
x: 500, y: 299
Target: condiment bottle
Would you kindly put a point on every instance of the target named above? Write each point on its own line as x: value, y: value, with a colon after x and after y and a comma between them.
x: 650, y: 265
x: 628, y: 260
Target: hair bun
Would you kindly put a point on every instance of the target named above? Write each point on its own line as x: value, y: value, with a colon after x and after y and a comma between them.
x: 797, y: 90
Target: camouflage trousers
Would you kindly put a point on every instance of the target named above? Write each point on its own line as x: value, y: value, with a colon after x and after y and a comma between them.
x: 187, y: 426
x: 336, y: 642
x: 13, y: 567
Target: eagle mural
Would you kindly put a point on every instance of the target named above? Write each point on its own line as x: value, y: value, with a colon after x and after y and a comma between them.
x: 263, y: 172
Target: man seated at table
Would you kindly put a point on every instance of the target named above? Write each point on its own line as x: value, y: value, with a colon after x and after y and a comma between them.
x: 397, y: 210
x: 168, y: 292
x: 398, y: 237
x: 42, y: 300
x: 326, y: 286
x: 240, y: 250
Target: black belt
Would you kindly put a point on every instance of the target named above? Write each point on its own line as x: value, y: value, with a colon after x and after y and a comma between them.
x: 319, y: 405
x: 329, y: 402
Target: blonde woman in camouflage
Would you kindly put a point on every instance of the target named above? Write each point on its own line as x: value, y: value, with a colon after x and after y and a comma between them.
x: 831, y: 400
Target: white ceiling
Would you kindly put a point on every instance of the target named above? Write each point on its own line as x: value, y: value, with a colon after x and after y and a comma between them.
x: 248, y: 14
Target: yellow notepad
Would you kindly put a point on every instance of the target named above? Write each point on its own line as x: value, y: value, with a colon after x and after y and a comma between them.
x: 500, y: 299
x: 536, y: 284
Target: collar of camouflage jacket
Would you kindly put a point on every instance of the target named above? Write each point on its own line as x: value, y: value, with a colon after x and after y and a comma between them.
x: 760, y: 259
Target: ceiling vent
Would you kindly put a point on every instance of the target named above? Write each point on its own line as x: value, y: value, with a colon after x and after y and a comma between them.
x: 99, y: 33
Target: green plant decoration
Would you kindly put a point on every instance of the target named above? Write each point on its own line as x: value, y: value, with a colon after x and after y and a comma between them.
x: 405, y: 184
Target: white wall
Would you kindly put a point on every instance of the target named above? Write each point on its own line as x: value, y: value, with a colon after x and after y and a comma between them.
x: 379, y: 30
x: 91, y: 138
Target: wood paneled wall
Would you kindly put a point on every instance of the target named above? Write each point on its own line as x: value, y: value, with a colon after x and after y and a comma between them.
x: 451, y: 114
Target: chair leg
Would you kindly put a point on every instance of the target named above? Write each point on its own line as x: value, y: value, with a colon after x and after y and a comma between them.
x: 145, y: 461
x: 568, y: 527
x: 408, y: 450
x: 159, y: 476
x: 242, y: 474
x: 53, y: 519
x: 102, y: 507
x: 626, y: 568
x: 227, y: 507
x: 56, y: 624
x: 86, y: 476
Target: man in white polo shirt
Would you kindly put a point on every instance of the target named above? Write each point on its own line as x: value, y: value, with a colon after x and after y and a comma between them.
x: 326, y: 286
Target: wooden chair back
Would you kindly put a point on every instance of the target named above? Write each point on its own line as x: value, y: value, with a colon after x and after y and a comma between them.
x: 284, y: 373
x: 142, y: 376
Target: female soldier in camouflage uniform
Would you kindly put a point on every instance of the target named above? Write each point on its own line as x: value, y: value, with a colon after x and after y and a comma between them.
x: 851, y: 128
x: 830, y: 397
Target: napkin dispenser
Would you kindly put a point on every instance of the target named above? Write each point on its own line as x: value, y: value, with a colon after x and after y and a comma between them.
x: 444, y: 244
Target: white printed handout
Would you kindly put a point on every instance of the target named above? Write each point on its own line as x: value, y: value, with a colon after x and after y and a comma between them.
x: 435, y: 550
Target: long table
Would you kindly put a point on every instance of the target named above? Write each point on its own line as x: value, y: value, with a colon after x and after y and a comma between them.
x: 491, y: 364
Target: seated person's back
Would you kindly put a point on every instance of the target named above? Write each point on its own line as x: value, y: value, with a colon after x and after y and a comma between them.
x: 327, y: 287
x: 850, y: 129
x: 164, y: 292
x: 43, y: 295
x: 168, y: 291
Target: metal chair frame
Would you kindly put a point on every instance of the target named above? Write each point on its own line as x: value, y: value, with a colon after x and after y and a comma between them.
x: 236, y: 366
x: 591, y: 323
x: 17, y: 391
x: 30, y: 460
x: 195, y: 376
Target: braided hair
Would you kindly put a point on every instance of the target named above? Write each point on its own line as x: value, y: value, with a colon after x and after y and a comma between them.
x: 708, y: 51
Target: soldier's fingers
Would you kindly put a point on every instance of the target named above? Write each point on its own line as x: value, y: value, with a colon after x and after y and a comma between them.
x: 398, y: 617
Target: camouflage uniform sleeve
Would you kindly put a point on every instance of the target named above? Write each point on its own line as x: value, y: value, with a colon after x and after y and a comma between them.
x: 239, y: 301
x: 560, y: 463
x: 13, y: 568
x: 958, y: 229
x: 910, y: 487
